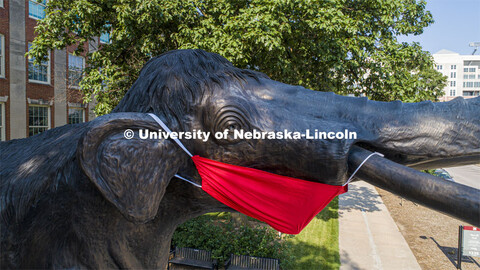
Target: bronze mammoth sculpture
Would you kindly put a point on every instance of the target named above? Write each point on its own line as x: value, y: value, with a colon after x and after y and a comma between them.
x: 83, y: 196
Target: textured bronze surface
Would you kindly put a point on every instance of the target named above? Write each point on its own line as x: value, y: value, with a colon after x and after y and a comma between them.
x: 83, y: 196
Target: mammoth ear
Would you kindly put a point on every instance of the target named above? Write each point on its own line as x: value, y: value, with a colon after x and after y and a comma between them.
x: 130, y: 173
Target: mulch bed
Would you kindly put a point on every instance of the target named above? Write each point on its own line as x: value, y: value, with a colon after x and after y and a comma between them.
x: 432, y: 236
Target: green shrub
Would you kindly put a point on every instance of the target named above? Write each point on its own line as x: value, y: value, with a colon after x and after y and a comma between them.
x: 429, y: 171
x: 218, y: 234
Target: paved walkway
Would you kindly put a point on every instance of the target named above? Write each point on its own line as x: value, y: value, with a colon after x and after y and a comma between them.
x: 466, y: 175
x: 369, y: 238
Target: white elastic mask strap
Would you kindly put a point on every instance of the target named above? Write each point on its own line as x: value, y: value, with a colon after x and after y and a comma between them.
x: 358, y: 168
x: 160, y: 122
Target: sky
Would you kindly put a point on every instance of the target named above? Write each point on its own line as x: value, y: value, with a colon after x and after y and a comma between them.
x: 457, y: 23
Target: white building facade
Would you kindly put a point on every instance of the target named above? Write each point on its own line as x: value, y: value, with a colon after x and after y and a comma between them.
x: 462, y: 71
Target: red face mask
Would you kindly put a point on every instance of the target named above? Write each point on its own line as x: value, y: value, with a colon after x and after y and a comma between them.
x: 285, y: 203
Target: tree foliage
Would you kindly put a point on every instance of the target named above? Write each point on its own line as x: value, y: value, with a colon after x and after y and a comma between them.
x: 344, y: 46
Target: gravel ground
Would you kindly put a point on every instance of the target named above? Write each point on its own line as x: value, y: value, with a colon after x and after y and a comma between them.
x: 432, y: 236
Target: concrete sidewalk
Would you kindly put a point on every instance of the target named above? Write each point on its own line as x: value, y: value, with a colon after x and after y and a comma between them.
x: 369, y: 238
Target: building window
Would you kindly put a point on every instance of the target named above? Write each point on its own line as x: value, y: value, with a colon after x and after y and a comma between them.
x: 476, y: 84
x: 471, y: 69
x: 453, y: 67
x: 465, y: 69
x: 471, y: 76
x: 453, y: 83
x: 439, y: 67
x: 471, y: 93
x: 452, y: 92
x: 38, y: 73
x: 467, y: 84
x: 38, y: 119
x: 1, y: 3
x: 453, y: 74
x: 2, y: 121
x: 465, y: 76
x: 2, y: 56
x: 76, y: 115
x: 36, y: 10
x: 105, y: 37
x: 75, y: 70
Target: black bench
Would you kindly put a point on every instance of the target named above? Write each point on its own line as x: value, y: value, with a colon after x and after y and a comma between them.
x: 193, y: 257
x: 248, y: 262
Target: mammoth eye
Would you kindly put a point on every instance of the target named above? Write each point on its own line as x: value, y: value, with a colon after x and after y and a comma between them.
x: 229, y: 122
x: 233, y: 126
x: 230, y: 125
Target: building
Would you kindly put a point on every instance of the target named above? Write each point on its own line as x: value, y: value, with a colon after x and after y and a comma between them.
x: 36, y: 98
x: 463, y: 72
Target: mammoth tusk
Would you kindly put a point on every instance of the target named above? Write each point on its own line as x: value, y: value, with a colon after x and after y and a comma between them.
x: 453, y: 199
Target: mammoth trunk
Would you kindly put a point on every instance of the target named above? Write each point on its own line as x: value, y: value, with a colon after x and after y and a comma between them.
x: 423, y: 135
x: 456, y: 200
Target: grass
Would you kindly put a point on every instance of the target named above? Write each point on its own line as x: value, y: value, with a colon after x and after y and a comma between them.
x: 316, y: 247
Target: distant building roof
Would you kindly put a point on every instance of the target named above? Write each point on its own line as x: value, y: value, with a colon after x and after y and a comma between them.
x: 444, y: 51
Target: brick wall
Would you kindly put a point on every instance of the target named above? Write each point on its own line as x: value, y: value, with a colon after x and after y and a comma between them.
x: 74, y: 95
x: 37, y: 90
x: 5, y: 82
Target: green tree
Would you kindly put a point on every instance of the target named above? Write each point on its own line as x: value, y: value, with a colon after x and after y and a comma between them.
x: 345, y: 46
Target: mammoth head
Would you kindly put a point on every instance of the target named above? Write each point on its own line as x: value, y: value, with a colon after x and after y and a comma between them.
x: 195, y: 90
